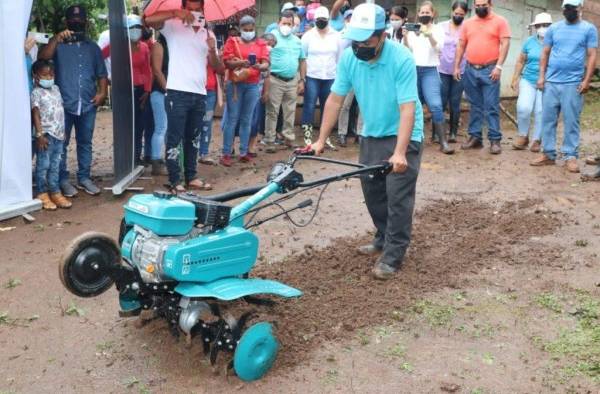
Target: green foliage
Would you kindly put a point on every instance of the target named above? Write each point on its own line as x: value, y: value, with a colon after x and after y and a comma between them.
x: 48, y: 15
x: 436, y: 315
x: 549, y: 301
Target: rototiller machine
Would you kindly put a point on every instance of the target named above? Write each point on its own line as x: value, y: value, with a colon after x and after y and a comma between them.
x: 184, y: 257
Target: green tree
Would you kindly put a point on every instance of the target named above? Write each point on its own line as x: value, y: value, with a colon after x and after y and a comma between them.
x: 49, y: 15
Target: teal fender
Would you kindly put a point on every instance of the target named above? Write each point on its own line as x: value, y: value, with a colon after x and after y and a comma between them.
x: 228, y: 289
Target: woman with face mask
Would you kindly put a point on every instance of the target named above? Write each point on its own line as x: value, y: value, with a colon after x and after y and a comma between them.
x: 398, y: 15
x: 425, y: 45
x: 323, y: 48
x: 524, y: 84
x: 245, y: 58
x: 452, y: 89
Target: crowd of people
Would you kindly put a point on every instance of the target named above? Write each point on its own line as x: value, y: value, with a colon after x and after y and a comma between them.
x: 368, y: 69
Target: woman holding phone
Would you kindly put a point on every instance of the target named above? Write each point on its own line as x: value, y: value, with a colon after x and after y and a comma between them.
x: 245, y: 58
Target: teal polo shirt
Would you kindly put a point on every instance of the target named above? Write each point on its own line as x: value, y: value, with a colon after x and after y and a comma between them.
x: 286, y: 55
x: 380, y: 88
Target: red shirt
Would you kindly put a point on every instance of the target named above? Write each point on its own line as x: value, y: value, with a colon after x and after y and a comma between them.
x: 482, y: 38
x: 258, y: 47
x: 211, y: 78
x: 140, y: 62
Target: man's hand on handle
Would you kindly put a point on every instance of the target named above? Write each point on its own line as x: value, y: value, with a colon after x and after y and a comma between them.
x: 398, y: 162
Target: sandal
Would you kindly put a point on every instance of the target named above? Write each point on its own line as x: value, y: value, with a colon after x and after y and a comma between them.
x: 206, y: 160
x: 197, y: 184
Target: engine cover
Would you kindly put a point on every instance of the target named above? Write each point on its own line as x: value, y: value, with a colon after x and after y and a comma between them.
x: 224, y: 253
x: 161, y: 213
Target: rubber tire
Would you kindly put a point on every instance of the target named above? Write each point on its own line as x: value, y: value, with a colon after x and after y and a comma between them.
x: 75, y: 247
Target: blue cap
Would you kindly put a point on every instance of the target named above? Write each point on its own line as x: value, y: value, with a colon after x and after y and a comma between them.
x: 366, y: 19
x: 133, y: 20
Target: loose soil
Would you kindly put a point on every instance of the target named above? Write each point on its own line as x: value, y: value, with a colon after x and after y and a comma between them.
x: 502, y: 259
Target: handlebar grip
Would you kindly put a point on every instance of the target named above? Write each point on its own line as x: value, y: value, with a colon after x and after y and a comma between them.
x: 306, y: 151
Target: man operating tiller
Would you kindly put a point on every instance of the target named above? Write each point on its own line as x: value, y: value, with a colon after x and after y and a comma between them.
x: 383, y: 76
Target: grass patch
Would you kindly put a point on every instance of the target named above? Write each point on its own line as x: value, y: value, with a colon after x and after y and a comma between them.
x: 397, y: 351
x: 580, y: 346
x: 549, y: 301
x: 436, y: 315
x: 12, y: 283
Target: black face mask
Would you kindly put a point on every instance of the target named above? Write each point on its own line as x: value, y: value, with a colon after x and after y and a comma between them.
x: 425, y: 19
x: 146, y: 34
x: 571, y: 14
x: 321, y: 23
x: 76, y: 26
x: 482, y: 12
x: 457, y: 20
x: 364, y: 53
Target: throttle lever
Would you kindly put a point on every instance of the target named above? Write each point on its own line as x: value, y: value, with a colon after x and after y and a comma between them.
x: 383, y: 171
x: 306, y: 151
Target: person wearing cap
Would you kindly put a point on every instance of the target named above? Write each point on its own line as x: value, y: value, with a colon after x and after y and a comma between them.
x: 191, y: 46
x: 524, y: 82
x: 82, y: 78
x: 384, y: 78
x: 286, y: 7
x: 484, y: 41
x: 286, y: 81
x: 247, y: 55
x: 567, y: 65
x: 323, y: 49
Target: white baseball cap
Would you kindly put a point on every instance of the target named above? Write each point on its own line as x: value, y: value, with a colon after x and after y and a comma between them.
x: 366, y: 19
x: 574, y: 3
x: 322, y: 12
x: 542, y: 19
x: 289, y: 7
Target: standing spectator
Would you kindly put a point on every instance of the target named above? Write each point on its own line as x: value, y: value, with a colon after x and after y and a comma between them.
x: 287, y: 59
x: 159, y: 57
x: 258, y: 119
x: 384, y: 79
x: 147, y: 115
x: 323, y: 49
x: 212, y: 89
x: 452, y: 89
x: 190, y: 45
x: 82, y: 78
x: 287, y: 7
x: 524, y: 82
x: 49, y: 121
x: 425, y: 46
x: 484, y: 40
x: 398, y: 16
x: 245, y: 58
x: 566, y: 68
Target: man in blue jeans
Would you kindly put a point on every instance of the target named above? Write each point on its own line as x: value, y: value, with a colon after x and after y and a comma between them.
x: 82, y: 78
x: 484, y: 40
x: 566, y: 69
x: 191, y: 45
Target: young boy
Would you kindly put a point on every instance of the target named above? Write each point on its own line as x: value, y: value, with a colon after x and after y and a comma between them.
x: 49, y: 121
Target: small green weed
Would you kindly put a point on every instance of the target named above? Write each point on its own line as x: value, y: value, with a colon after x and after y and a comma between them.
x: 74, y: 310
x: 488, y: 358
x: 397, y: 351
x: 549, y: 301
x: 363, y: 338
x: 12, y: 283
x: 408, y: 367
x: 435, y: 314
x: 331, y: 376
x: 582, y: 243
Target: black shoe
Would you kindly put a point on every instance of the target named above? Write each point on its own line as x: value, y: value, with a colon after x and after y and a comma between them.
x: 472, y: 143
x: 438, y: 129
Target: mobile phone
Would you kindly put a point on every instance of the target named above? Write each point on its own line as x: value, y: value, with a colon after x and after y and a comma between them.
x: 75, y: 37
x: 412, y: 26
x: 252, y: 58
x: 40, y: 38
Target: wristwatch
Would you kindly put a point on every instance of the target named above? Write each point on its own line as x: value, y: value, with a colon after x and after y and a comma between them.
x: 38, y: 135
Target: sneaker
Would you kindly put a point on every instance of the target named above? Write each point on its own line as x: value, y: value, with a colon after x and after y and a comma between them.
x: 572, y: 165
x: 521, y: 143
x: 47, y: 204
x: 88, y: 186
x: 329, y: 144
x: 245, y: 159
x: 60, y: 201
x: 495, y: 148
x: 68, y: 190
x: 383, y: 271
x: 472, y: 143
x: 369, y: 250
x: 226, y: 161
x: 592, y: 160
x: 536, y: 146
x: 542, y: 160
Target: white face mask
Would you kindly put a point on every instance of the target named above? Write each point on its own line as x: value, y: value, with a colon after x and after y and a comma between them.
x: 541, y: 32
x: 248, y: 35
x: 285, y: 30
x: 135, y: 34
x: 396, y: 24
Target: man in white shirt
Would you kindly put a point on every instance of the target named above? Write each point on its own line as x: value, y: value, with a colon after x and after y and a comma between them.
x: 190, y: 44
x: 323, y: 48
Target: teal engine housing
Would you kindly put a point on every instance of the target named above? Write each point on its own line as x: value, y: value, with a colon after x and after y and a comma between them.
x: 164, y: 243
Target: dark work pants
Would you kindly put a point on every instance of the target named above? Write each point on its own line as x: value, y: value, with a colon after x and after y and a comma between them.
x: 390, y: 201
x: 185, y: 114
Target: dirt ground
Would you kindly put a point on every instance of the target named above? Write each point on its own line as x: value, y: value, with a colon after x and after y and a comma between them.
x: 499, y: 293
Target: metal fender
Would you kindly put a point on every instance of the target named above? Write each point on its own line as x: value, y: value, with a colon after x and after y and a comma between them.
x: 232, y: 288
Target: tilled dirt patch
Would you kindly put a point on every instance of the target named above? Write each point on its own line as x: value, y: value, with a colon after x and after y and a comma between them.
x: 451, y: 239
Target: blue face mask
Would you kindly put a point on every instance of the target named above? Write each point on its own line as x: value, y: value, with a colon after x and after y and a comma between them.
x: 46, y: 83
x: 301, y: 11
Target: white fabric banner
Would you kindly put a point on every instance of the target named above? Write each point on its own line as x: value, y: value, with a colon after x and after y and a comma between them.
x: 15, y: 114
